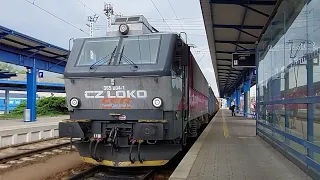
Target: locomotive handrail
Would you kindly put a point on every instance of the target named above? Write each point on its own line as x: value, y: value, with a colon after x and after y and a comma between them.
x: 70, y: 45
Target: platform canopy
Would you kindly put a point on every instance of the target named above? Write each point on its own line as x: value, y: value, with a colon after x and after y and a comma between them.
x: 234, y: 26
x: 6, y: 74
x: 14, y: 85
x: 15, y: 42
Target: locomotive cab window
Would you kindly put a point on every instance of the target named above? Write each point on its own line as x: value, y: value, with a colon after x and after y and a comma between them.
x: 139, y: 50
x: 126, y: 50
x: 95, y: 50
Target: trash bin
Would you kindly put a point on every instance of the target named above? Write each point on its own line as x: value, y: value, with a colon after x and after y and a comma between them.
x: 26, y: 115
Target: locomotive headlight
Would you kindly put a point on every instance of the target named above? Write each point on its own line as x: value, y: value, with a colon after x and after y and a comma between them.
x: 124, y: 29
x: 157, y: 102
x: 75, y: 102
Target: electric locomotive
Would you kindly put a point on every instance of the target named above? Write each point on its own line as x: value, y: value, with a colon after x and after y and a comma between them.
x: 135, y: 96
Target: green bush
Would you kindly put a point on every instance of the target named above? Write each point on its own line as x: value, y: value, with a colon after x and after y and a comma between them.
x: 45, y: 106
x: 19, y: 109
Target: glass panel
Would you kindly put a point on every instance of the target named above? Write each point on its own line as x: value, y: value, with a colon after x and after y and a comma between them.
x: 279, y: 114
x: 297, y: 115
x: 316, y: 124
x: 279, y: 137
x: 134, y: 49
x: 140, y: 49
x: 314, y: 37
x: 292, y: 38
x: 262, y: 113
x: 97, y: 49
x: 296, y: 41
x: 300, y: 148
x: 316, y: 157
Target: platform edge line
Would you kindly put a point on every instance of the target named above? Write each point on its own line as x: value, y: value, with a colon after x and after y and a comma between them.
x: 184, y: 168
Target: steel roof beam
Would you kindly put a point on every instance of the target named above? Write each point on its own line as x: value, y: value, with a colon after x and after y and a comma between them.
x: 25, y: 37
x: 64, y: 56
x: 235, y: 43
x: 232, y: 85
x: 28, y: 46
x: 226, y: 89
x: 34, y: 53
x: 224, y: 69
x: 243, y: 47
x: 255, y: 10
x: 222, y: 65
x: 247, y: 33
x: 247, y: 2
x: 3, y: 35
x: 232, y: 42
x: 19, y: 57
x: 32, y: 48
x: 220, y: 74
x: 224, y: 52
x: 236, y: 26
x: 231, y: 52
x: 224, y: 60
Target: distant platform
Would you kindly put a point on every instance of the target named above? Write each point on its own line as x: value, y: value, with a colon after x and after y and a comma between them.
x: 16, y: 131
x: 19, y: 123
x: 229, y: 149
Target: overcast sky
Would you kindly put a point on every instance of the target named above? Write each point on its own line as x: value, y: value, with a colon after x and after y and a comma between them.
x: 28, y: 19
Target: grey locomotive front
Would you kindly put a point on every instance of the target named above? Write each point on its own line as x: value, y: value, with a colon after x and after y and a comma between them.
x: 124, y: 86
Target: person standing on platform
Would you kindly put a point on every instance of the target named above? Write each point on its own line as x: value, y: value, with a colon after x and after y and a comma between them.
x: 232, y: 110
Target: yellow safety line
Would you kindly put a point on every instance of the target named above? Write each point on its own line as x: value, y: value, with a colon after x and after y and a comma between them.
x: 225, y: 127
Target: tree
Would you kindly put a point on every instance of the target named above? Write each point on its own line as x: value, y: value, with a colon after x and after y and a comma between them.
x: 11, y: 68
x: 6, y: 66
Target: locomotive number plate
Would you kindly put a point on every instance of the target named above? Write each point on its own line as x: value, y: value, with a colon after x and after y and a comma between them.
x: 115, y: 88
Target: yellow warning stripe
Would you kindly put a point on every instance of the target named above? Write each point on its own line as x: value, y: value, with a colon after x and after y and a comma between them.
x: 152, y: 121
x: 125, y: 163
x: 72, y: 120
x: 225, y: 127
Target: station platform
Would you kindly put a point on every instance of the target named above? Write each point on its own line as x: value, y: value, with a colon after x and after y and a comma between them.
x: 229, y: 149
x: 16, y: 131
x: 41, y: 121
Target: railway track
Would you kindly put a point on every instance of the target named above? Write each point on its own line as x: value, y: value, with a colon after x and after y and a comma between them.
x: 25, y: 150
x: 107, y: 173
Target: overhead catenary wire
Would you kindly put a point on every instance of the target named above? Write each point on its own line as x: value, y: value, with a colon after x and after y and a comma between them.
x: 176, y: 18
x: 175, y: 14
x: 91, y: 9
x: 57, y: 17
x: 160, y: 14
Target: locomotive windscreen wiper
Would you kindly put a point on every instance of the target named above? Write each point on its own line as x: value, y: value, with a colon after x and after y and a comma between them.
x: 102, y: 60
x: 127, y: 59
